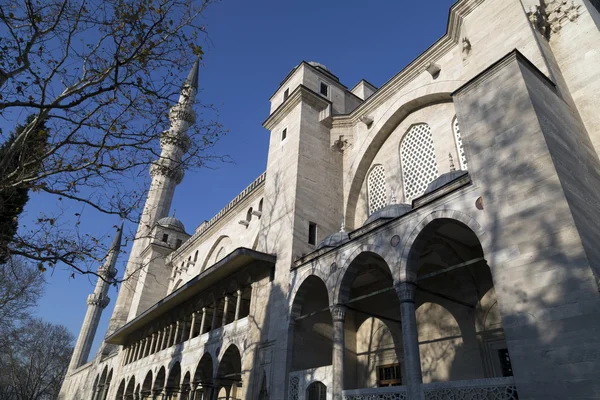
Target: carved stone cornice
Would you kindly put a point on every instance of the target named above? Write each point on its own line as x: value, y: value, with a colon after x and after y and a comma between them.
x: 98, y: 300
x: 550, y: 16
x: 176, y: 173
x: 338, y: 312
x: 182, y: 112
x: 180, y: 140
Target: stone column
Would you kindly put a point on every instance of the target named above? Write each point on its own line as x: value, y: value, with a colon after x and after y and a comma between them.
x: 338, y: 313
x: 214, y: 317
x: 164, y: 337
x: 152, y: 343
x: 238, y: 304
x: 138, y: 348
x: 146, y: 344
x: 202, y: 321
x: 176, y: 336
x: 193, y: 325
x: 159, y: 336
x: 170, y: 335
x: 410, y: 339
x: 125, y: 355
x: 225, y: 310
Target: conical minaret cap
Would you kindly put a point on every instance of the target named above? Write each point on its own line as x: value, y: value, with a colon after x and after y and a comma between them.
x: 192, y: 79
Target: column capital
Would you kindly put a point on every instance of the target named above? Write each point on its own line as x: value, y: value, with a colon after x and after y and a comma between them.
x: 338, y: 312
x: 406, y: 291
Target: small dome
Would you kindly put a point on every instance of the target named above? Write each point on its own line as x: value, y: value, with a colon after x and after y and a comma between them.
x: 389, y: 212
x: 334, y: 240
x: 172, y: 223
x: 318, y: 65
x: 444, y: 179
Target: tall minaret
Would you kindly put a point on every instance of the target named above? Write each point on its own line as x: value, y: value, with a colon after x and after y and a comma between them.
x: 166, y: 174
x: 97, y: 302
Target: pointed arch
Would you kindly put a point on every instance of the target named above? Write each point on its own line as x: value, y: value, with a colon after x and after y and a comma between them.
x: 221, y: 247
x: 147, y: 386
x: 159, y: 382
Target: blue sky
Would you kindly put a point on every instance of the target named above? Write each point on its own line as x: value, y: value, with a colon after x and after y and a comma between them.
x: 252, y: 46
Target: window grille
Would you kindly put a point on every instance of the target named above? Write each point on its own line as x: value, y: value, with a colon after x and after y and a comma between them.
x: 376, y: 189
x: 459, y: 145
x: 417, y: 157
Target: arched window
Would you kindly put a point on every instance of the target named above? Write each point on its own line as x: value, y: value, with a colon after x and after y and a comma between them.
x: 417, y: 158
x: 316, y: 391
x: 249, y: 215
x: 196, y: 256
x: 260, y: 205
x: 462, y: 158
x: 376, y: 189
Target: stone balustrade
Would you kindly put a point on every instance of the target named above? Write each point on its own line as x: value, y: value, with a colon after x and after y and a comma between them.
x: 492, y: 388
x: 481, y: 389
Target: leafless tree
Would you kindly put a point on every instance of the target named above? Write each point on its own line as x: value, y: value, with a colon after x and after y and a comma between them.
x: 20, y: 288
x: 102, y: 76
x: 33, y: 361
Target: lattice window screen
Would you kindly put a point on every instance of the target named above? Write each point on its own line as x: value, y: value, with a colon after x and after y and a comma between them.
x: 417, y: 156
x: 376, y: 189
x: 459, y: 145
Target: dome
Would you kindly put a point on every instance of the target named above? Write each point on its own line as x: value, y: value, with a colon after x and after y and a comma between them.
x: 389, y: 212
x: 172, y: 223
x: 444, y: 179
x: 318, y: 65
x: 334, y: 240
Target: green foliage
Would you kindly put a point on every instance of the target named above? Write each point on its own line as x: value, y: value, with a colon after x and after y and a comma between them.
x: 22, y: 154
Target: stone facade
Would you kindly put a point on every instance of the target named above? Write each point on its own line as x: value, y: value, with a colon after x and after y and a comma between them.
x: 467, y: 261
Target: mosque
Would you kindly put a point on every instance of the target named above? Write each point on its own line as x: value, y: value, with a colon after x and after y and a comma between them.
x: 433, y: 238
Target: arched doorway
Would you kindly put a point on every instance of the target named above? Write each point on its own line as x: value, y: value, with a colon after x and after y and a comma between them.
x: 147, y: 386
x: 203, y: 378
x: 159, y: 383
x: 372, y: 327
x: 229, y: 375
x: 316, y: 391
x: 459, y: 327
x: 311, y: 339
x: 173, y: 382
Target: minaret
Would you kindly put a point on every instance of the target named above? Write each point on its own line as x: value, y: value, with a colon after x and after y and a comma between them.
x: 97, y: 302
x: 166, y: 174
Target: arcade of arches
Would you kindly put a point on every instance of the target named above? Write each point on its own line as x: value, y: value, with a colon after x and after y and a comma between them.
x: 443, y: 326
x: 171, y: 384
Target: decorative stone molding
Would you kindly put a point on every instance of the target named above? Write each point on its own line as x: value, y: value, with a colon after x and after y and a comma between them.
x: 182, y: 112
x: 406, y: 291
x: 367, y: 120
x: 175, y: 173
x: 560, y: 11
x: 466, y: 47
x: 433, y: 69
x: 180, y: 140
x: 340, y: 144
x: 338, y: 312
x: 98, y: 300
x: 550, y: 16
